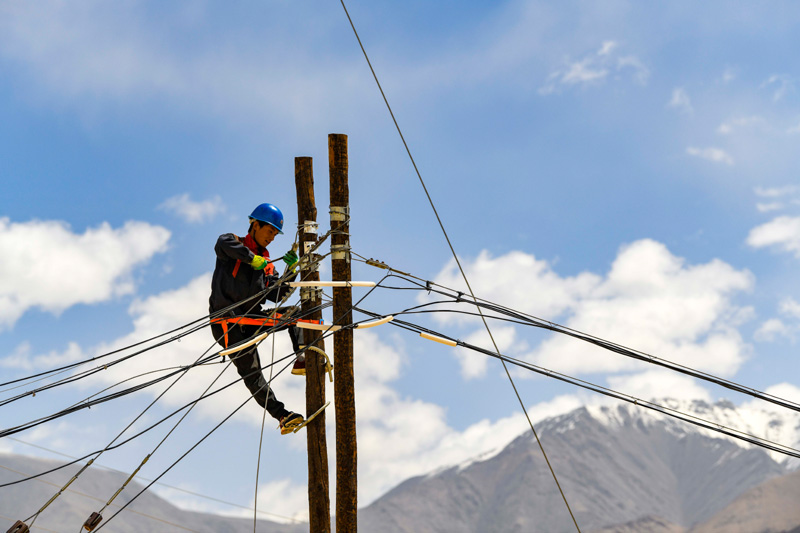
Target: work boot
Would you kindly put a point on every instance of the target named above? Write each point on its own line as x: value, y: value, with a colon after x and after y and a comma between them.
x: 290, y: 422
x: 299, y: 367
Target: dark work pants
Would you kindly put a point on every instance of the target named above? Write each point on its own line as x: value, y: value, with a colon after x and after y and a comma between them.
x: 248, y: 364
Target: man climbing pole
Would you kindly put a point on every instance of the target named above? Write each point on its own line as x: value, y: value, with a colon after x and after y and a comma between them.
x: 243, y: 270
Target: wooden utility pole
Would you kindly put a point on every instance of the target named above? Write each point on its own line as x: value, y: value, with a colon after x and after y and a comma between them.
x: 319, y: 504
x: 344, y: 381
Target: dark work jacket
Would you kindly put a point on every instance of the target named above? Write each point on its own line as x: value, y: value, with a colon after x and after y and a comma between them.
x: 233, y: 257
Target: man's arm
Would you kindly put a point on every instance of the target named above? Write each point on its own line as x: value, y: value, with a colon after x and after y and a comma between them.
x: 275, y: 293
x: 230, y: 247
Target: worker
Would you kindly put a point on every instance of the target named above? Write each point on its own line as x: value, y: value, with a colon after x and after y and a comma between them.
x: 243, y: 270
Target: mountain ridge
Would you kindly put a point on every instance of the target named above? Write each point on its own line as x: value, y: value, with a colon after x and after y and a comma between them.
x: 622, y: 468
x: 616, y: 465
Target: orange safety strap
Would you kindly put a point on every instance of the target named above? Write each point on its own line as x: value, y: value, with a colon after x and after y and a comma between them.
x: 274, y: 320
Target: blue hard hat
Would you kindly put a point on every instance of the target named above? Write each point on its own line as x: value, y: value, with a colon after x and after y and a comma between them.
x: 270, y: 214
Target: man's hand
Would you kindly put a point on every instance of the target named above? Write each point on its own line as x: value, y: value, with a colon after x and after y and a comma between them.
x: 290, y: 258
x: 258, y: 262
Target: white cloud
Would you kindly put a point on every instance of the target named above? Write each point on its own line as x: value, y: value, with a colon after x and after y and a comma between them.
x: 716, y: 155
x: 22, y: 359
x: 511, y: 277
x: 782, y: 85
x: 777, y: 192
x: 193, y: 212
x: 729, y: 126
x: 729, y: 75
x: 594, y: 68
x: 779, y: 198
x: 77, y: 269
x: 790, y: 307
x: 606, y: 48
x: 415, y: 440
x: 291, y: 496
x: 583, y: 72
x: 651, y: 300
x: 782, y: 233
x: 641, y: 74
x: 474, y: 364
x: 680, y: 100
x: 654, y: 384
x: 772, y: 206
x: 771, y: 329
x: 775, y: 328
x: 784, y: 390
x: 19, y: 358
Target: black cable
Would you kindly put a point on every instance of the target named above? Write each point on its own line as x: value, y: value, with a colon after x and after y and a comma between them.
x: 183, y: 456
x: 523, y: 318
x: 276, y: 327
x: 323, y: 334
x: 458, y: 263
x: 79, y: 363
x: 92, y: 371
x: 150, y: 427
x: 674, y: 413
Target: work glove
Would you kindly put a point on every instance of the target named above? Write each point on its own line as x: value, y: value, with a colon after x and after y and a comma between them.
x: 258, y: 262
x: 290, y: 258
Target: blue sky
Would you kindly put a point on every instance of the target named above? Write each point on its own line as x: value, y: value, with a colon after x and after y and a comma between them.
x: 628, y: 169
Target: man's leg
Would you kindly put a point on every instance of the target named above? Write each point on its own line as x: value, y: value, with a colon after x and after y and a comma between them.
x: 248, y: 365
x: 296, y: 336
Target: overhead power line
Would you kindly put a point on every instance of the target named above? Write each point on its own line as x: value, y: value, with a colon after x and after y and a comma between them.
x: 674, y: 413
x: 455, y: 256
x: 519, y: 317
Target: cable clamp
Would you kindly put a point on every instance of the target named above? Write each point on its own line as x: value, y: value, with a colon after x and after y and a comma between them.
x: 380, y: 264
x: 339, y: 214
x: 92, y: 522
x: 19, y: 527
x: 309, y: 226
x: 310, y: 293
x: 341, y: 251
x: 309, y: 263
x: 377, y: 263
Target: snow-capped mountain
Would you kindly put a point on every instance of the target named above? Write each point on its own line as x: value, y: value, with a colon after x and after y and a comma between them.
x: 620, y: 466
x: 757, y: 418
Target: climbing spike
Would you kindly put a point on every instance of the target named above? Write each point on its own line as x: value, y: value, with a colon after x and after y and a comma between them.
x: 328, y: 364
x: 312, y: 417
x: 92, y: 522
